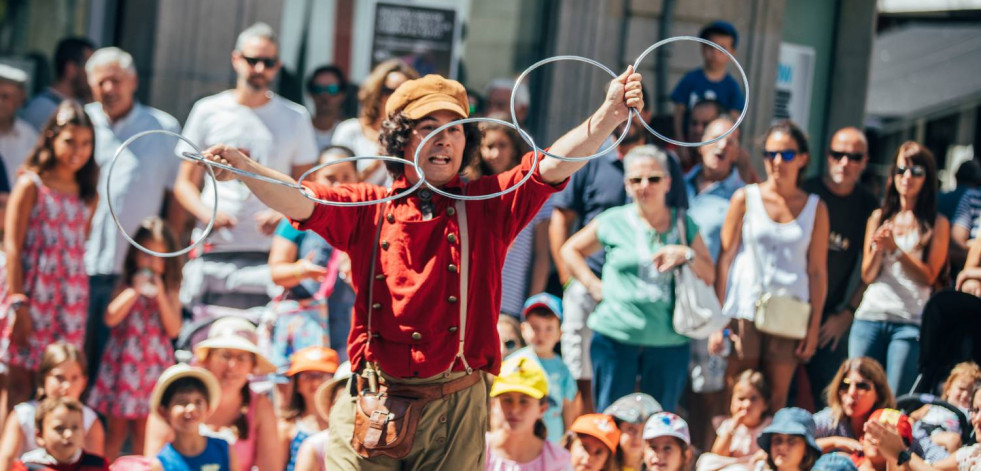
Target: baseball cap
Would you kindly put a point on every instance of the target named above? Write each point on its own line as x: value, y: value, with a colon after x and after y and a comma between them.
x: 896, y: 418
x: 420, y: 97
x: 314, y: 358
x: 633, y: 408
x: 543, y: 300
x: 666, y: 424
x: 521, y: 375
x: 720, y: 27
x: 600, y: 426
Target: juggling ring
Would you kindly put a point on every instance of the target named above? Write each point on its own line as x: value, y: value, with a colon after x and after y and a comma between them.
x: 407, y: 191
x: 742, y: 73
x: 112, y: 210
x: 436, y: 131
x: 514, y: 116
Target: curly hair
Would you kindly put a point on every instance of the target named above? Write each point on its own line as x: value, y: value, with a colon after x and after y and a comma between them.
x: 396, y: 132
x: 371, y: 92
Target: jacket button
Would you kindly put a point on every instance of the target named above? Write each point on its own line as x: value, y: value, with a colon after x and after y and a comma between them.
x: 451, y: 210
x: 376, y: 306
x: 451, y: 268
x: 384, y: 245
x: 451, y: 238
x: 451, y: 299
x: 416, y: 336
x: 442, y: 419
x: 453, y: 329
x: 380, y: 276
x: 390, y: 218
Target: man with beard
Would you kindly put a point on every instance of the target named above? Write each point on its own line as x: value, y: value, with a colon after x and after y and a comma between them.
x: 232, y: 271
x: 849, y: 205
x: 70, y: 82
x: 142, y: 180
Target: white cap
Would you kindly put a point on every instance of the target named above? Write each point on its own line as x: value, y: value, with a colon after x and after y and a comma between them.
x: 13, y: 74
x: 666, y: 424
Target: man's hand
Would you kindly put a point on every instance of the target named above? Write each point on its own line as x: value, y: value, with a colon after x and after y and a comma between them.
x: 807, y: 346
x: 624, y: 93
x: 834, y: 329
x: 226, y: 155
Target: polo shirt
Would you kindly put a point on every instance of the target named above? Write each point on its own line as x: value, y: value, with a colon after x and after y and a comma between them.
x: 416, y: 288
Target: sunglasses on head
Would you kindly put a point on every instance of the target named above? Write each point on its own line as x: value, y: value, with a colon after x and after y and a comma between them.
x: 864, y: 386
x: 652, y: 179
x: 852, y: 156
x: 332, y: 89
x: 269, y: 62
x: 785, y: 155
x: 916, y: 170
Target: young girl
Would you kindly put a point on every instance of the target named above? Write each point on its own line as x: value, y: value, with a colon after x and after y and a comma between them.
x: 62, y: 374
x: 668, y: 443
x: 735, y: 443
x: 592, y: 443
x: 630, y: 413
x: 47, y: 221
x: 905, y: 250
x: 939, y: 426
x: 517, y: 441
x: 309, y: 369
x: 144, y: 316
x: 789, y: 441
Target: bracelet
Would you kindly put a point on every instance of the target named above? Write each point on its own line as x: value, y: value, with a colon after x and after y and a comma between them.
x: 18, y: 297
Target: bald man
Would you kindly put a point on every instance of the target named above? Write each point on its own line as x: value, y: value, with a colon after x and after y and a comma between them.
x: 849, y: 206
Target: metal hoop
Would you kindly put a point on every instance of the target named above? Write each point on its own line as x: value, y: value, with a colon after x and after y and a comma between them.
x: 436, y: 131
x: 305, y: 191
x: 742, y: 73
x: 514, y: 116
x: 112, y: 210
x: 197, y: 157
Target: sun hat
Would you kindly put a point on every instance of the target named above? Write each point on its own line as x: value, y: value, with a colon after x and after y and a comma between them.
x: 543, y: 300
x: 633, y: 408
x: 420, y: 97
x: 325, y: 393
x: 834, y: 462
x: 600, y: 426
x: 666, y: 424
x: 234, y: 333
x: 521, y: 375
x: 790, y: 421
x: 183, y: 370
x: 313, y: 358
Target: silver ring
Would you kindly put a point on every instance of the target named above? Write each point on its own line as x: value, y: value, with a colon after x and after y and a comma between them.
x: 514, y: 116
x: 305, y: 191
x: 436, y: 131
x: 742, y: 73
x: 112, y: 211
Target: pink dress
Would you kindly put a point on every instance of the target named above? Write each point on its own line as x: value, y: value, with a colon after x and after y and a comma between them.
x: 54, y: 277
x: 137, y: 353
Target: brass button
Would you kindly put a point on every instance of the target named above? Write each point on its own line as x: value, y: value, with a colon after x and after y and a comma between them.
x: 451, y: 299
x: 451, y: 238
x: 390, y: 218
x: 451, y: 210
x: 380, y: 276
x: 453, y: 329
x: 442, y: 419
x: 384, y: 245
x: 451, y: 268
x: 416, y: 336
x: 376, y: 306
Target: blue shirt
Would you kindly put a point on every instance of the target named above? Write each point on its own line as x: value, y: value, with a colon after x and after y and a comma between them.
x: 708, y: 209
x: 695, y: 87
x: 38, y: 111
x: 213, y: 458
x: 561, y: 387
x: 968, y: 212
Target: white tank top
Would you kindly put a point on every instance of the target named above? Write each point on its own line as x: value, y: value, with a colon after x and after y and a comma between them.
x: 781, y: 249
x: 894, y: 296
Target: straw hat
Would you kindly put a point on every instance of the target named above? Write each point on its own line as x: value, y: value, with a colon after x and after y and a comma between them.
x: 234, y: 333
x: 325, y: 393
x: 180, y: 371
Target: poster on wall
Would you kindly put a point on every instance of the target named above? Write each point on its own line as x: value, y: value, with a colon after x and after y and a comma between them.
x: 795, y: 77
x: 422, y: 36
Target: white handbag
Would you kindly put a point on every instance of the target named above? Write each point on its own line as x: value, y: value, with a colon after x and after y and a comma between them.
x: 697, y: 311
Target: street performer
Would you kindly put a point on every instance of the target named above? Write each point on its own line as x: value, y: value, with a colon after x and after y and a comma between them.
x: 427, y: 272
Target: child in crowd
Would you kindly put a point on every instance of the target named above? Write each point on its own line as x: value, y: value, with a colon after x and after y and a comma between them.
x: 668, y: 443
x: 184, y: 397
x: 869, y: 458
x: 62, y: 374
x: 313, y: 450
x: 735, y: 445
x: 144, y: 316
x: 61, y: 435
x: 592, y: 442
x: 541, y: 329
x: 310, y: 368
x: 517, y: 440
x: 939, y: 426
x: 789, y: 441
x: 509, y: 330
x: 630, y: 413
x: 44, y: 286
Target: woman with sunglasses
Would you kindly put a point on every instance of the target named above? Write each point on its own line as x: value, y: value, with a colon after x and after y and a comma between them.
x: 774, y: 240
x: 905, y: 251
x: 859, y: 388
x: 632, y: 324
x: 361, y: 134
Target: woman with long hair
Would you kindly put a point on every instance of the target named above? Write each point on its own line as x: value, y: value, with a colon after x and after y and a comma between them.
x: 859, y: 388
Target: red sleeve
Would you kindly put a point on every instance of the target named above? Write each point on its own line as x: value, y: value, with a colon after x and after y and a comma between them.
x: 339, y: 225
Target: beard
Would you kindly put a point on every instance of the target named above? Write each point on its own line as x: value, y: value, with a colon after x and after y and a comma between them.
x: 257, y: 82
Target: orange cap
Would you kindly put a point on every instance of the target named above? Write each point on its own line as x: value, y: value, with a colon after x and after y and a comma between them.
x: 314, y: 359
x: 420, y: 97
x: 600, y: 426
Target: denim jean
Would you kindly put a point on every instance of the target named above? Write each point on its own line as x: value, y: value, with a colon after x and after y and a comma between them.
x: 895, y: 346
x: 101, y: 288
x: 663, y: 371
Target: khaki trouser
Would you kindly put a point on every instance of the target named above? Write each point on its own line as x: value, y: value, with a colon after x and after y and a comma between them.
x: 450, y: 435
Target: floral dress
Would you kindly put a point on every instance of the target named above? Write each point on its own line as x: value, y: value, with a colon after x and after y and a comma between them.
x: 137, y: 353
x: 54, y: 277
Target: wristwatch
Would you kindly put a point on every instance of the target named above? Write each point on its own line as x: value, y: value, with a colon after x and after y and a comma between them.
x: 904, y: 457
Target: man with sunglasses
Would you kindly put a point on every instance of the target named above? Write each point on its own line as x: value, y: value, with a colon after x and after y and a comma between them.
x: 328, y: 90
x: 232, y: 271
x: 849, y: 206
